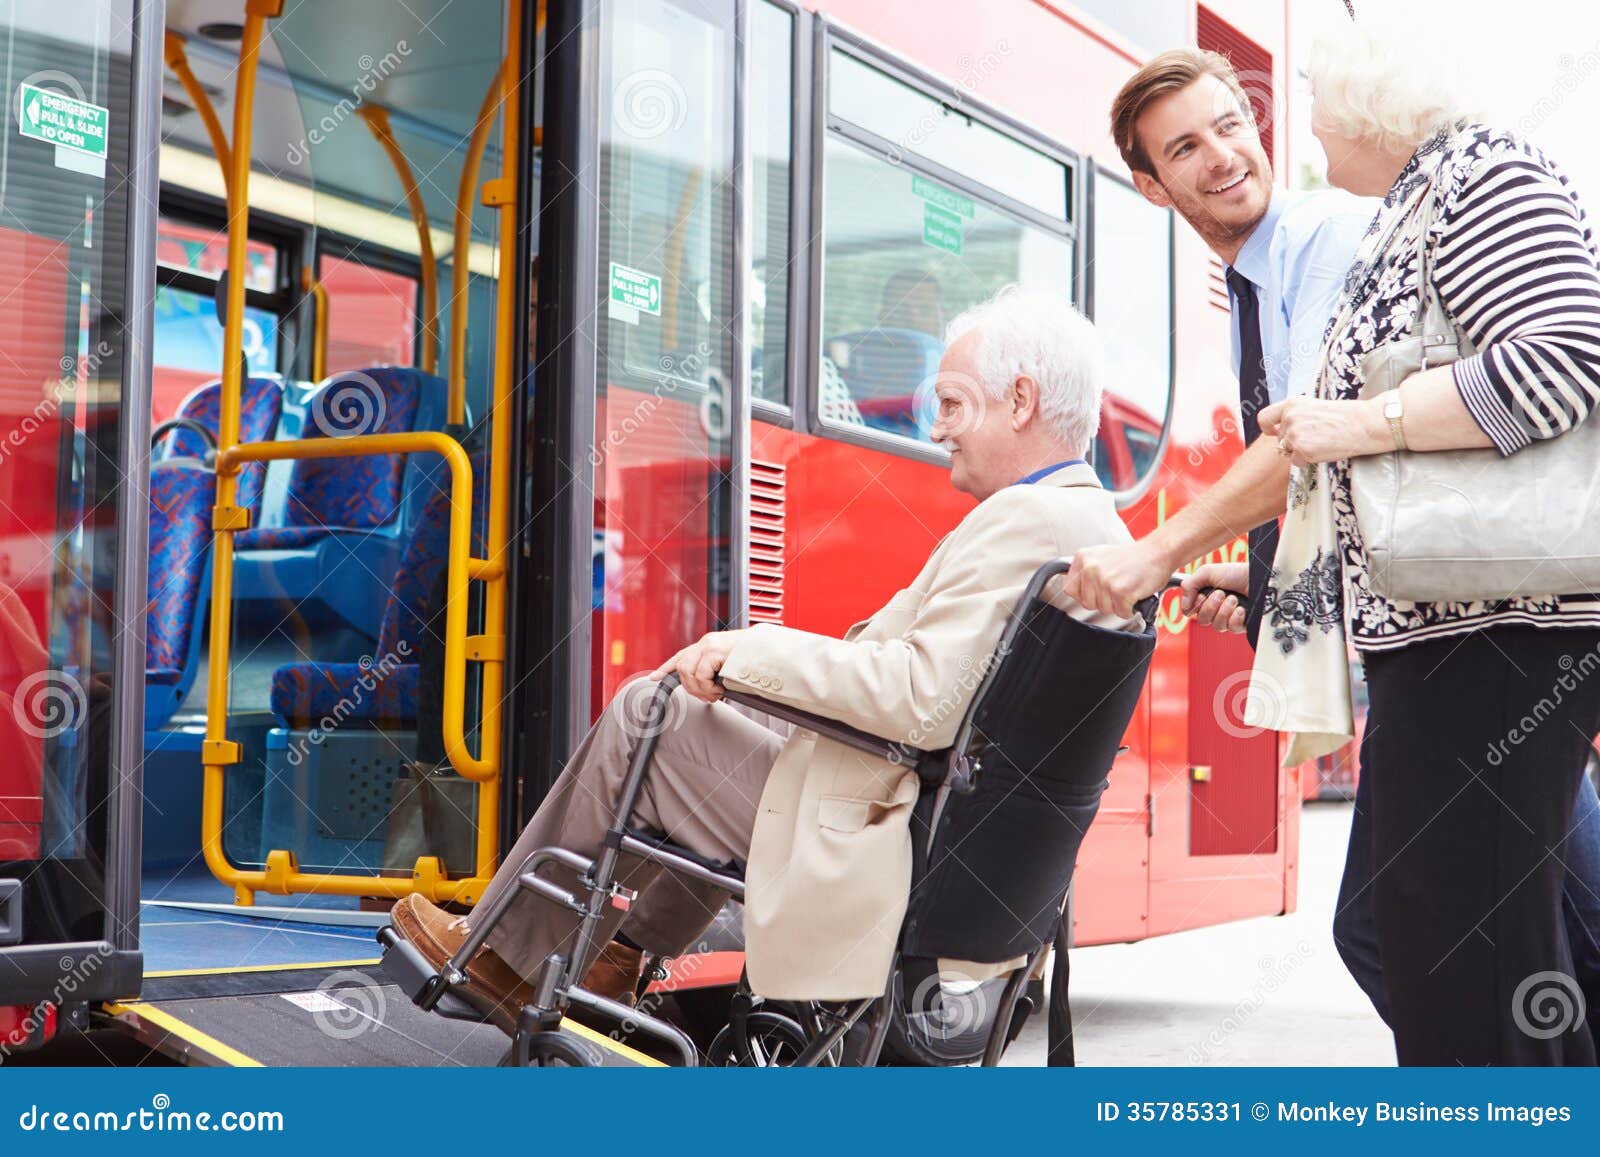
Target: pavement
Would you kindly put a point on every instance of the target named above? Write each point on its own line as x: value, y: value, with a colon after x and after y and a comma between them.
x: 1266, y: 991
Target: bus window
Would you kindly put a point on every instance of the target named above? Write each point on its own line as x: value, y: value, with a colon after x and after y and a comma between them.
x: 193, y: 248
x: 190, y: 257
x: 1130, y: 289
x: 188, y: 346
x: 666, y: 259
x: 372, y: 315
x: 771, y: 154
x: 902, y: 255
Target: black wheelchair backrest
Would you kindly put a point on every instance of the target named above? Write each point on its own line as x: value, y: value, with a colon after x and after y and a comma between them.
x: 1035, y: 748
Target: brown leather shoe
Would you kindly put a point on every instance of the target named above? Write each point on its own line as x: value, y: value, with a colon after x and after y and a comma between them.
x: 493, y: 987
x: 616, y: 972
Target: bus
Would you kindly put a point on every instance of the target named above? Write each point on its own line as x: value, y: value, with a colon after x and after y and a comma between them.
x: 387, y: 386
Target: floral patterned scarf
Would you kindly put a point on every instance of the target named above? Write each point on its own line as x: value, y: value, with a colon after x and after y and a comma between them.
x: 1300, y: 682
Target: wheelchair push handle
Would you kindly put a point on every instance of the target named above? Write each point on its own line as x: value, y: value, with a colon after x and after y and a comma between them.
x: 1062, y: 566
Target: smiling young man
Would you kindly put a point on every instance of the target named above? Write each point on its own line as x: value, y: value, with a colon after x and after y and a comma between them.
x: 1183, y: 127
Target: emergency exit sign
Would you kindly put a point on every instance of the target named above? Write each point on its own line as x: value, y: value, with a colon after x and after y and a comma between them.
x: 64, y: 122
x: 635, y: 289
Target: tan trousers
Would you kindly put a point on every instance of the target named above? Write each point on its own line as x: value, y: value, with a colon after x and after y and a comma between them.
x: 702, y: 791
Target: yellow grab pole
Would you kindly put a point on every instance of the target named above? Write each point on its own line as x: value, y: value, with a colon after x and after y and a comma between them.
x: 319, y: 324
x: 178, y: 61
x: 492, y: 649
x: 219, y: 752
x: 460, y: 273
x: 378, y: 121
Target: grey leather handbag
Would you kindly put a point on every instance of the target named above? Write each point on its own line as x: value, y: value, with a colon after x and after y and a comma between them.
x: 1471, y: 525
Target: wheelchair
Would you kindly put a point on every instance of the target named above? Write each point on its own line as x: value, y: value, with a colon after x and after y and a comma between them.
x: 995, y: 832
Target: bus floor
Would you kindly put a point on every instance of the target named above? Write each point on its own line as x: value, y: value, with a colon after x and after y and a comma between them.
x: 292, y: 981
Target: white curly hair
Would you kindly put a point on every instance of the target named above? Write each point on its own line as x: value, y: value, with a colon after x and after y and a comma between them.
x: 1043, y: 336
x: 1391, y: 84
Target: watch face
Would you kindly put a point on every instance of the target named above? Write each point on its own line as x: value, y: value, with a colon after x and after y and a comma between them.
x: 1391, y: 408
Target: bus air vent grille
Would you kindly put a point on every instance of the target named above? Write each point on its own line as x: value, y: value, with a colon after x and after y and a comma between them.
x: 768, y: 522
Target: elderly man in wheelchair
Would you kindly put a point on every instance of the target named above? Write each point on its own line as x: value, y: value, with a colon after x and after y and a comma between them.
x: 923, y: 816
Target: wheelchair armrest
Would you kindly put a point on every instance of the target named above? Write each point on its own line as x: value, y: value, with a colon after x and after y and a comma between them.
x: 897, y: 753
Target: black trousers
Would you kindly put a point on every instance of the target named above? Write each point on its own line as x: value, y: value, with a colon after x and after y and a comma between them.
x: 1474, y: 745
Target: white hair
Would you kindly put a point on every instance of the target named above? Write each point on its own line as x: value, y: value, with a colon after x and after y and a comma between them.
x: 1392, y: 84
x: 1025, y: 332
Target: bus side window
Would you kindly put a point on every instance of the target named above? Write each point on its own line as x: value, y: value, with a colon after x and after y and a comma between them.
x: 771, y: 158
x: 904, y: 252
x: 1130, y: 291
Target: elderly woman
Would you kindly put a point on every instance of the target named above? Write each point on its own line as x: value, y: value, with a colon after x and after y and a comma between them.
x: 1467, y: 845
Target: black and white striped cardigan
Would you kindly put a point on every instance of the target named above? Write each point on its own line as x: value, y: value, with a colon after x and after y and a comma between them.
x: 1515, y: 265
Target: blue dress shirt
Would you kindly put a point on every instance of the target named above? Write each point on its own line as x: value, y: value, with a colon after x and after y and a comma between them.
x: 1047, y: 471
x: 1297, y: 258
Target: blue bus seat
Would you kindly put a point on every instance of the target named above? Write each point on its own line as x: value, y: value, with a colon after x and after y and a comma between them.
x: 304, y: 693
x: 334, y: 529
x: 260, y: 406
x: 182, y: 493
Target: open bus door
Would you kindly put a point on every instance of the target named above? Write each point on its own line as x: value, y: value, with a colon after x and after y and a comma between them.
x: 82, y: 85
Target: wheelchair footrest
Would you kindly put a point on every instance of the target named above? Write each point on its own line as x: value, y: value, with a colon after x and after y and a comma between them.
x: 409, y: 969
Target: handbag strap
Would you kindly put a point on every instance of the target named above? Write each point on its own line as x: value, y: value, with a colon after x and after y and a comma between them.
x: 1380, y: 254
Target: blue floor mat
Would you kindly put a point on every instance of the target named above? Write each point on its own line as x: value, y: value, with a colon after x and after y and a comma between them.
x: 174, y: 939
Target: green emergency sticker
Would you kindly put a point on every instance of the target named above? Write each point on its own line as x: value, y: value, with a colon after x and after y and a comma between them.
x: 635, y: 289
x: 65, y: 122
x: 946, y: 199
x: 940, y: 229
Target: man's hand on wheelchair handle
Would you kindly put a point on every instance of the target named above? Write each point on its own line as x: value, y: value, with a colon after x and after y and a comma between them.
x: 697, y: 664
x: 1221, y: 610
x: 1112, y: 579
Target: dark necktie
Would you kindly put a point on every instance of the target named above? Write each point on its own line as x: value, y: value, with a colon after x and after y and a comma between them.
x: 1253, y: 397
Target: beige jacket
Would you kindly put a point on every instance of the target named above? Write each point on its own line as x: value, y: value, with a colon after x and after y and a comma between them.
x: 830, y: 857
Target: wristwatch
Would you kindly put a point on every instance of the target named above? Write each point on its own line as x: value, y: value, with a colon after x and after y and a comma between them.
x: 1394, y: 410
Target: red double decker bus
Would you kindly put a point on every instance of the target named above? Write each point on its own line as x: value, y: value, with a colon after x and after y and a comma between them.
x: 745, y: 224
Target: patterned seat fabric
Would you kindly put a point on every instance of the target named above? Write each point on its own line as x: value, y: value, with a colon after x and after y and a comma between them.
x: 327, y: 494
x: 383, y: 690
x: 181, y: 497
x: 260, y: 406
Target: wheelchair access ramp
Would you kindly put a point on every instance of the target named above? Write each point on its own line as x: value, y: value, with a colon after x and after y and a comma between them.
x: 335, y: 1015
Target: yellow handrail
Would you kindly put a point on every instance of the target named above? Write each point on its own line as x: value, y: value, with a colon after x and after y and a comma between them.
x: 319, y: 324
x: 460, y: 273
x: 178, y: 61
x: 281, y: 874
x: 378, y: 121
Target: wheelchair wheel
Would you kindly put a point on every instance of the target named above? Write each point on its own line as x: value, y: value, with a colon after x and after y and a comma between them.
x: 775, y: 1042
x: 955, y: 1035
x: 554, y: 1050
